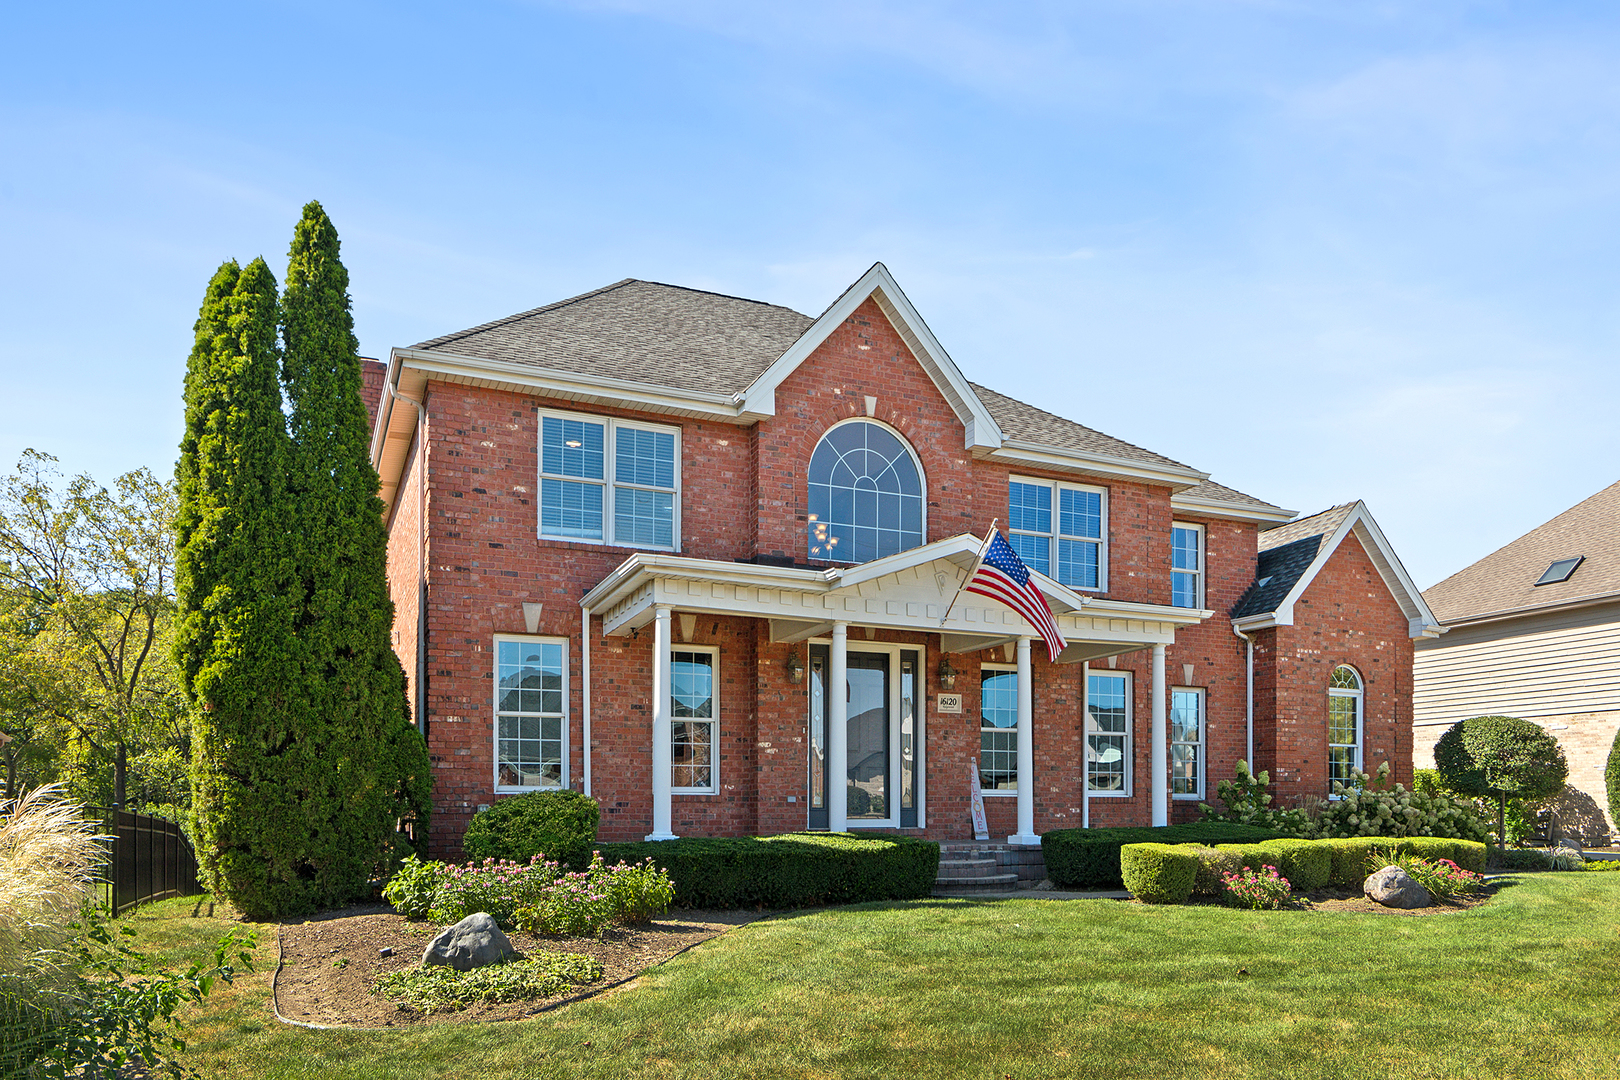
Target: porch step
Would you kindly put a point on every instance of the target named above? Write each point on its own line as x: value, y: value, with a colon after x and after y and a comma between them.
x: 983, y: 866
x: 959, y: 886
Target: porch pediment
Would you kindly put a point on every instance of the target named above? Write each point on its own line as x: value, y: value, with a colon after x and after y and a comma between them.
x: 909, y: 591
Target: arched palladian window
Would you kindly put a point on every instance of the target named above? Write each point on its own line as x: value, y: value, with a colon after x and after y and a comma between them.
x: 1344, y: 725
x: 865, y: 494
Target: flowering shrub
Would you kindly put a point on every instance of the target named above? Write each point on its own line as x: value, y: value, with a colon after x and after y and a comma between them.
x: 640, y: 891
x: 1247, y: 802
x: 583, y: 904
x: 1262, y: 889
x: 1370, y: 806
x: 1442, y: 877
x: 496, y: 886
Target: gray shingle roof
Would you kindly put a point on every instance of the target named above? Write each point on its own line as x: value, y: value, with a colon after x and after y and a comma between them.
x: 1504, y: 580
x: 663, y: 335
x: 1286, y: 552
x: 1026, y: 422
x: 1210, y: 491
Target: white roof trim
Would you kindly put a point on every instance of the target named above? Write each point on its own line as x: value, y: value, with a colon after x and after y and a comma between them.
x: 759, y: 399
x: 1421, y: 622
x: 1019, y: 451
x: 1232, y: 511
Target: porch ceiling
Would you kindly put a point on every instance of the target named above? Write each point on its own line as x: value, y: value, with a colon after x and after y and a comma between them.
x: 910, y: 591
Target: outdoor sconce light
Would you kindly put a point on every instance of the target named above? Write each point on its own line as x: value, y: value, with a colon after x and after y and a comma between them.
x: 947, y: 674
x: 795, y: 669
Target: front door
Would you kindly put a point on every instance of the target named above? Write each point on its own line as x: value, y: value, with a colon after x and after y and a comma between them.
x: 879, y: 764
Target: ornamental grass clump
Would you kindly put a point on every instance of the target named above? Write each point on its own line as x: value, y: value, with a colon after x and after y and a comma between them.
x: 1257, y: 890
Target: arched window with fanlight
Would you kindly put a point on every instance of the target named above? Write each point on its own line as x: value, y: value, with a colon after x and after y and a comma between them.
x: 1344, y: 724
x: 865, y: 494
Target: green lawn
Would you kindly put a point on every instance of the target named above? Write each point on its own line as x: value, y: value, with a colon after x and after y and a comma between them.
x: 1527, y: 985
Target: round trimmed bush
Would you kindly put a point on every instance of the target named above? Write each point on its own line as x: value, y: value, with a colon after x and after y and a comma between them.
x: 559, y: 826
x: 1501, y: 758
x: 1158, y: 873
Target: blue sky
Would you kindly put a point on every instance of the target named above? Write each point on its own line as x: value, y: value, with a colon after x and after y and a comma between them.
x: 1323, y: 251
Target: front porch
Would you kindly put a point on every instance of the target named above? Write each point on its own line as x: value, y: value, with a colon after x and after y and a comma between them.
x: 889, y: 634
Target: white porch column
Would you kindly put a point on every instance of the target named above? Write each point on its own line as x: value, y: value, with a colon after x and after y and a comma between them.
x: 838, y: 730
x: 1159, y: 770
x: 660, y: 726
x: 1026, y: 751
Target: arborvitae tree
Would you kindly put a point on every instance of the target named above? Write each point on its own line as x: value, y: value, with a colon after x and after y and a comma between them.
x: 235, y: 640
x: 1611, y: 780
x: 377, y: 768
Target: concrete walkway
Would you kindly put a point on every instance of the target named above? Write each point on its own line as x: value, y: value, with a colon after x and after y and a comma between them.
x: 1037, y: 894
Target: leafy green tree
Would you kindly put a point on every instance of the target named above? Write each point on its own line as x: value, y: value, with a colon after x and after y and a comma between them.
x: 1611, y: 780
x: 87, y: 579
x: 1501, y: 758
x: 352, y: 681
x: 235, y: 643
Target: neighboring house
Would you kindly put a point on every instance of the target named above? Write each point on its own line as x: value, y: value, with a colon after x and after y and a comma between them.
x: 635, y: 536
x: 1534, y: 632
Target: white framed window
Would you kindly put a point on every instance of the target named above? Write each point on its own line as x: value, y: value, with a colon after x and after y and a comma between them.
x: 1344, y: 724
x: 1108, y: 733
x: 998, y: 729
x: 1186, y: 742
x: 1060, y: 530
x: 1186, y: 565
x: 694, y: 727
x: 865, y: 494
x: 531, y: 713
x: 610, y: 481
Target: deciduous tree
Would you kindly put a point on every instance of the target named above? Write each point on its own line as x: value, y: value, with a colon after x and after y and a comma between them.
x: 1501, y: 757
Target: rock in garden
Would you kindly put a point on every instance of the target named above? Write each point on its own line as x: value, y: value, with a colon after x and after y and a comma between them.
x: 1394, y: 887
x: 473, y: 942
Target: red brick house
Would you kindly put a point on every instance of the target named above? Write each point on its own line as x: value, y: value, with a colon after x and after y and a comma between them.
x: 636, y: 535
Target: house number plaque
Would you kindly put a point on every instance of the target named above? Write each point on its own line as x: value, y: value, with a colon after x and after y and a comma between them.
x: 948, y: 703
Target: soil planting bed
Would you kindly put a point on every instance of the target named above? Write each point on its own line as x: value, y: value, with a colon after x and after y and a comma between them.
x: 329, y: 963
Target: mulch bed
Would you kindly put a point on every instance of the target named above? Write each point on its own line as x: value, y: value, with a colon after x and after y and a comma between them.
x: 329, y: 963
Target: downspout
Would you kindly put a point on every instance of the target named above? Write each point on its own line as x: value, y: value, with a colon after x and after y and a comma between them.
x: 585, y: 690
x: 421, y: 546
x: 1250, y: 710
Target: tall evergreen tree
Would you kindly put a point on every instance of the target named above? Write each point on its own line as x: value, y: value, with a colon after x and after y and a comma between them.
x: 351, y: 679
x: 235, y: 639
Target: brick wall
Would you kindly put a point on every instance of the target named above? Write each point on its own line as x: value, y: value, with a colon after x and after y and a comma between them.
x: 373, y: 373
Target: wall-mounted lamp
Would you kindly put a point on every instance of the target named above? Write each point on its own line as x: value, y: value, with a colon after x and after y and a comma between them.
x: 795, y: 669
x: 947, y: 674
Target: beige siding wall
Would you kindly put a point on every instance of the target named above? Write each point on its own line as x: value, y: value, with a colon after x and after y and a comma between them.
x: 1562, y: 671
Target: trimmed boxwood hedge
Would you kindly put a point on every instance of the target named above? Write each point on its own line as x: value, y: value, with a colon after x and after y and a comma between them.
x: 1159, y: 873
x: 791, y: 870
x: 1089, y: 858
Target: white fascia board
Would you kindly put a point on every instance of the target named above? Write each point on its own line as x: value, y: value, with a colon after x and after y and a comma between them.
x: 714, y: 405
x: 1054, y: 457
x: 759, y: 399
x: 1266, y: 620
x: 1210, y: 508
x: 962, y: 550
x: 1127, y: 609
x: 396, y: 424
x: 1537, y: 609
x: 641, y: 566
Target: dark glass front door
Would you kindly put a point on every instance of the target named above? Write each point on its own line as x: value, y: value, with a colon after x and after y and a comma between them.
x: 867, y: 773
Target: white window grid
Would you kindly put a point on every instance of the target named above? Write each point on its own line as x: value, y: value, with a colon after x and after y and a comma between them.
x: 1044, y: 549
x: 515, y: 721
x: 1187, y: 738
x: 1346, y: 699
x: 1186, y: 565
x: 641, y: 496
x: 998, y: 746
x: 1116, y: 704
x: 685, y: 768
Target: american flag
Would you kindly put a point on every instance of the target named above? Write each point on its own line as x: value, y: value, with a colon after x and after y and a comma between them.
x: 1003, y: 576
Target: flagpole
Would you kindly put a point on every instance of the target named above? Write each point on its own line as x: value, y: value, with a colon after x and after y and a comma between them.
x: 984, y: 547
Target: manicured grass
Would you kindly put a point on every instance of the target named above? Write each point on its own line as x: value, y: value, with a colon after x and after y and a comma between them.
x: 1523, y: 986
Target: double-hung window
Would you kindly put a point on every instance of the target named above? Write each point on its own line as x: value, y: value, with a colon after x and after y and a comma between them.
x: 1108, y: 732
x: 1186, y: 742
x: 695, y: 719
x: 998, y: 729
x: 1186, y: 565
x: 1344, y: 725
x: 1059, y: 529
x: 531, y: 713
x: 609, y: 481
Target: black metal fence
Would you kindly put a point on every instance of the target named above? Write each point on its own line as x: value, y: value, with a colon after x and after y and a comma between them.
x: 149, y: 859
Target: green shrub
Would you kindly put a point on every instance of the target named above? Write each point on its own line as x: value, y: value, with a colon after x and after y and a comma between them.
x: 1370, y: 807
x: 1158, y: 873
x: 444, y: 989
x: 1307, y: 864
x: 1601, y: 865
x: 557, y: 825
x: 413, y: 886
x: 1521, y: 859
x: 1212, y: 864
x: 1264, y: 889
x: 1468, y: 854
x: 1350, y: 857
x: 1442, y: 877
x: 639, y: 893
x: 1501, y: 758
x: 1611, y: 780
x: 1089, y: 858
x: 791, y: 870
x: 1245, y: 801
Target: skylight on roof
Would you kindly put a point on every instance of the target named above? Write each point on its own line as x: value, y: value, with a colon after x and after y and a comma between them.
x: 1560, y: 570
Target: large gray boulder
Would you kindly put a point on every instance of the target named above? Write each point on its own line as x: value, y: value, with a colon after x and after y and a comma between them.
x: 1394, y: 887
x: 472, y: 943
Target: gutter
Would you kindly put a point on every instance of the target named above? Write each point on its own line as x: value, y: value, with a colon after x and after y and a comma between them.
x: 421, y: 546
x: 585, y: 689
x: 1249, y: 712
